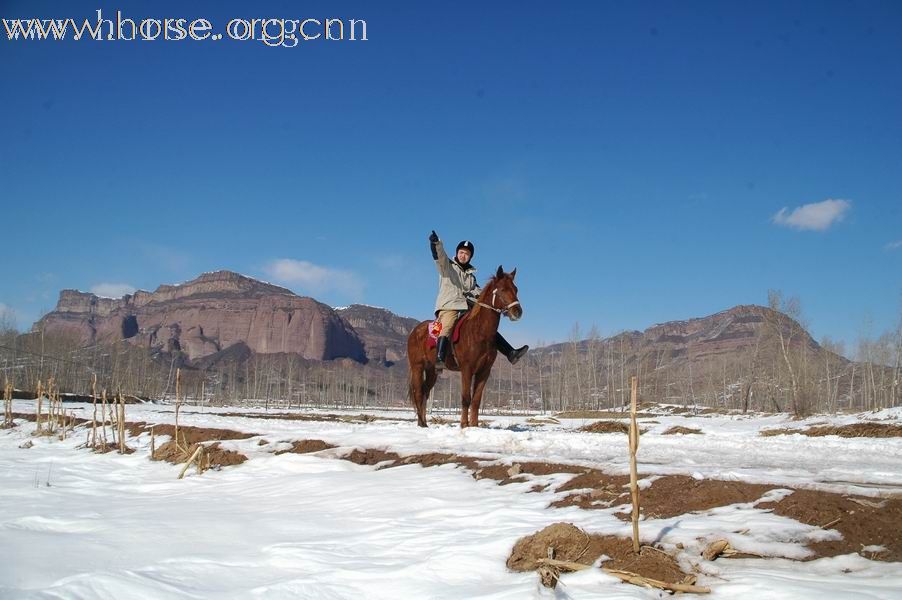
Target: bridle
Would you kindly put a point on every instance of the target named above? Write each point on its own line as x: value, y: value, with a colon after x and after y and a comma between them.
x: 500, y: 311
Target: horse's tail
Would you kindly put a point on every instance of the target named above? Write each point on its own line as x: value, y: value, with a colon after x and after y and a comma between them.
x: 412, y: 384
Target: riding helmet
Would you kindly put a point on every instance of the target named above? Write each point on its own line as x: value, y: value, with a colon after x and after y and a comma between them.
x: 468, y: 246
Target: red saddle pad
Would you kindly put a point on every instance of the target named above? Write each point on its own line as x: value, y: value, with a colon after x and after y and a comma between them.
x: 431, y: 341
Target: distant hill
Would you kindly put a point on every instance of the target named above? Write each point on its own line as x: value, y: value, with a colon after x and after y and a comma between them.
x: 384, y: 333
x: 206, y: 316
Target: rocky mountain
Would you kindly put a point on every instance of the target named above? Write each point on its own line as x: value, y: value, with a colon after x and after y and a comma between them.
x: 729, y: 333
x: 384, y: 333
x: 206, y: 316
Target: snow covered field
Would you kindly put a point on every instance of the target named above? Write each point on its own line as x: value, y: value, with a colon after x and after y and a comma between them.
x: 74, y: 524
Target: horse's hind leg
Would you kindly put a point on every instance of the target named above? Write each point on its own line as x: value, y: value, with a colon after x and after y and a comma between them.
x: 428, y: 384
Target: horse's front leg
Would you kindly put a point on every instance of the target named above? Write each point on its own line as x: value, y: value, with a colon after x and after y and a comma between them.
x: 466, y: 387
x: 482, y: 377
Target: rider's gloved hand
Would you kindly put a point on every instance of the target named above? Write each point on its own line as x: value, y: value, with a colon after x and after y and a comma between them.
x: 433, y: 237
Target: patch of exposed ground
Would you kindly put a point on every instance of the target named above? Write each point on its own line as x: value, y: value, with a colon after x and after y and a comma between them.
x: 606, y: 427
x: 213, y: 456
x: 189, y: 435
x: 675, y: 495
x: 597, y: 490
x: 361, y: 418
x: 601, y: 414
x: 189, y: 439
x: 572, y: 544
x: 679, y: 429
x: 872, y: 430
x: 862, y: 522
x: 305, y: 447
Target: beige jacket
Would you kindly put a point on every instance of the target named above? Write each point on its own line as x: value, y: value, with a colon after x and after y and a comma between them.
x: 455, y: 284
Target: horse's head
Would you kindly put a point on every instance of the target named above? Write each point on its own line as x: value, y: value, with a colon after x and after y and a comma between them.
x: 504, y: 294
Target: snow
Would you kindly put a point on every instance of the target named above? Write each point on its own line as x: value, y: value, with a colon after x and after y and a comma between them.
x: 74, y: 524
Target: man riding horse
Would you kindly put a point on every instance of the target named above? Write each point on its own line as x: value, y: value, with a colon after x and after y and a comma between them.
x: 457, y: 292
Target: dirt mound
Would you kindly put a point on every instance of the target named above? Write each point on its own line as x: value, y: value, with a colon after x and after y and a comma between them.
x: 874, y: 430
x: 606, y: 427
x: 190, y: 435
x: 370, y: 456
x: 361, y: 418
x: 863, y: 522
x: 214, y: 455
x: 600, y: 414
x: 572, y: 544
x: 682, y: 430
x: 305, y: 447
x: 569, y: 542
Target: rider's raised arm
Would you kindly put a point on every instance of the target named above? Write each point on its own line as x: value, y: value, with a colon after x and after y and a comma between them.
x: 438, y: 254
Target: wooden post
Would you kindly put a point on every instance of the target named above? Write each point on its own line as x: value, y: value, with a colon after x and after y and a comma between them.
x: 153, y: 443
x: 40, y: 392
x: 178, y: 404
x: 103, y: 419
x: 94, y: 418
x: 121, y: 410
x: 8, y: 404
x: 634, y: 474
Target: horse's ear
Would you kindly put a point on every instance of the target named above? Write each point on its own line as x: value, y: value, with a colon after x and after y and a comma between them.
x: 513, y: 273
x: 500, y: 272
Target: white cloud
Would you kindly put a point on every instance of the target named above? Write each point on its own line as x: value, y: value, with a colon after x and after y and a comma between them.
x: 112, y: 290
x: 313, y: 278
x: 893, y: 245
x: 817, y: 216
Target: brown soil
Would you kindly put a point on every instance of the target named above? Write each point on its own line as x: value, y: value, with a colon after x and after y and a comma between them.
x: 675, y: 495
x: 606, y: 427
x: 862, y: 522
x: 572, y: 544
x: 603, y: 490
x: 113, y: 447
x: 214, y: 456
x: 361, y: 418
x: 681, y: 430
x: 874, y: 430
x: 370, y: 456
x: 190, y: 435
x: 600, y: 414
x: 305, y: 447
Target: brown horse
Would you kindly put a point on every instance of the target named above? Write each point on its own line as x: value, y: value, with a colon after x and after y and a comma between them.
x: 473, y: 354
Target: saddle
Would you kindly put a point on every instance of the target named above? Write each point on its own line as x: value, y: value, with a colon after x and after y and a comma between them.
x: 432, y: 340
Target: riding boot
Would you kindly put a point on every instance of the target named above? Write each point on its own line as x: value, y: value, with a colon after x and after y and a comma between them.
x: 504, y: 347
x: 441, y: 353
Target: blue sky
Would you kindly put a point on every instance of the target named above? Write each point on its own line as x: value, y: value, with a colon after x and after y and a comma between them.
x: 630, y: 158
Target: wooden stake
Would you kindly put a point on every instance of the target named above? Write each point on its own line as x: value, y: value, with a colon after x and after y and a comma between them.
x: 103, y: 420
x: 191, y: 460
x: 634, y: 474
x: 153, y: 443
x: 121, y: 409
x: 178, y: 403
x: 94, y: 418
x: 38, y: 417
